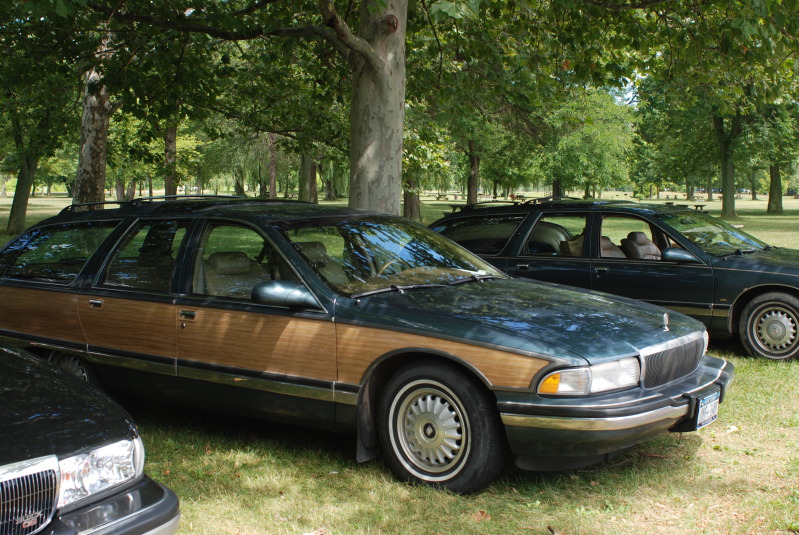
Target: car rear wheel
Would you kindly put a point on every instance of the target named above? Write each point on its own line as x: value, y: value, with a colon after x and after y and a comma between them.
x: 769, y: 326
x: 439, y: 427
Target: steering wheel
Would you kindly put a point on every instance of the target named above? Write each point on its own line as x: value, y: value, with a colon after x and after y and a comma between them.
x: 391, y: 262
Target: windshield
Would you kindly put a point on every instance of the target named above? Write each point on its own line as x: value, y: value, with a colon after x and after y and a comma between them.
x: 712, y: 235
x: 365, y: 254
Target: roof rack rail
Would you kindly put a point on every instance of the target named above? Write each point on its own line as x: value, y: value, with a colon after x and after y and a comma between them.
x: 552, y: 198
x: 138, y: 201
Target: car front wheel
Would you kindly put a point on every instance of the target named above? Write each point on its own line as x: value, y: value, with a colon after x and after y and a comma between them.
x: 770, y: 326
x: 439, y: 427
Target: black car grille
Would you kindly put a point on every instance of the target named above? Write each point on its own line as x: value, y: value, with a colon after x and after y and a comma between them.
x: 27, y: 502
x: 672, y: 363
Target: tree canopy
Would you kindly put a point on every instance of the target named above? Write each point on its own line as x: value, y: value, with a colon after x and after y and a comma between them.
x: 436, y: 94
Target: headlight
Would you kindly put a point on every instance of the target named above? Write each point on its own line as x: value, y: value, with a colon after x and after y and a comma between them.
x: 100, y: 469
x: 603, y: 377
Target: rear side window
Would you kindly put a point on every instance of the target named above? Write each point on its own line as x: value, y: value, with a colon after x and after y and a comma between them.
x: 486, y: 235
x: 54, y: 254
x: 146, y: 258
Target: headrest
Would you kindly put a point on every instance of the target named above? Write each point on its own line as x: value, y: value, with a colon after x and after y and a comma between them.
x: 314, y: 251
x: 638, y: 238
x: 229, y: 263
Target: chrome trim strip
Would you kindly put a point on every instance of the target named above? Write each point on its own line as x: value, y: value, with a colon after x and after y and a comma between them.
x: 133, y: 363
x: 28, y: 467
x: 671, y: 344
x: 597, y: 424
x: 262, y: 384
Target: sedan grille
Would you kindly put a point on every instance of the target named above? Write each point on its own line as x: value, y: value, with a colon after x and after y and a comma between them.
x: 28, y: 495
x: 672, y: 363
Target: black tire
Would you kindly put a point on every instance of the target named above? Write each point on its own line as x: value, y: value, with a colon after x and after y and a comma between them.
x: 440, y: 427
x: 76, y: 366
x: 769, y: 326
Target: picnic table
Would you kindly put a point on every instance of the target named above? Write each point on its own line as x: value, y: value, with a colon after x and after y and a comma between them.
x: 699, y: 207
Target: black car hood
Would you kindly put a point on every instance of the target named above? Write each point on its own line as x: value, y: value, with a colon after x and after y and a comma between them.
x: 45, y: 411
x: 593, y: 325
x: 775, y: 260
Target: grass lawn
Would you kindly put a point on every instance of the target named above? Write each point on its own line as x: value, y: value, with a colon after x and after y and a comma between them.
x: 740, y: 475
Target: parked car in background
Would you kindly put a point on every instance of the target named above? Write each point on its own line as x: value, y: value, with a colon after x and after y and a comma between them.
x: 71, y: 460
x: 354, y: 321
x: 673, y: 256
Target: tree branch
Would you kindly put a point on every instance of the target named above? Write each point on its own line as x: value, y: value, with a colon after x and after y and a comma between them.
x: 344, y: 35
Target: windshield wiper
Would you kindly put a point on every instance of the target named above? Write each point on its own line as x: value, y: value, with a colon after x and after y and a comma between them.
x: 401, y: 288
x: 474, y: 277
x: 741, y: 252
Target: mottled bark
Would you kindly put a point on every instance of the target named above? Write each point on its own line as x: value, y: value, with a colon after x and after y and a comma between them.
x: 378, y: 105
x: 95, y: 120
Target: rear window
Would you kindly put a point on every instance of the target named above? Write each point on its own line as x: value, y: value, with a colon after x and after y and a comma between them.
x: 485, y: 235
x: 54, y: 254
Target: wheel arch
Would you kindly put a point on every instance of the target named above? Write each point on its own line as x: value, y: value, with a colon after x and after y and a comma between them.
x: 378, y: 376
x: 734, y: 318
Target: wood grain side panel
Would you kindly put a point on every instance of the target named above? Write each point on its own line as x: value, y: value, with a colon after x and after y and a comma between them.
x: 359, y: 347
x: 48, y: 314
x: 130, y: 325
x: 261, y: 342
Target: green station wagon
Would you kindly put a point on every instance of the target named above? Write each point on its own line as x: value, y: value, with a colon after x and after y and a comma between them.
x: 354, y: 321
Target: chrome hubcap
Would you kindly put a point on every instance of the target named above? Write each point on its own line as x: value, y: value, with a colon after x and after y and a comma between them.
x: 74, y: 366
x: 776, y: 330
x: 431, y: 430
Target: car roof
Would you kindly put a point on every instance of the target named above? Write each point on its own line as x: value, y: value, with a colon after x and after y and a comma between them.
x: 565, y: 203
x: 244, y: 208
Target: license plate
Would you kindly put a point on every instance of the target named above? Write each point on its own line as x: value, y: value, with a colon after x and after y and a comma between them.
x: 708, y: 410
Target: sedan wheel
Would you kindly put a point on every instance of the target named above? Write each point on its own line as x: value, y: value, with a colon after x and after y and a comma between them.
x: 440, y: 428
x: 770, y: 326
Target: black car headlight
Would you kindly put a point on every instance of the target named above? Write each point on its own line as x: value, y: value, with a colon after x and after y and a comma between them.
x: 94, y: 471
x: 614, y: 375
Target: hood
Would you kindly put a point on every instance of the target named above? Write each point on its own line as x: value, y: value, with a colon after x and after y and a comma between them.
x: 539, y: 317
x: 46, y: 411
x: 775, y: 260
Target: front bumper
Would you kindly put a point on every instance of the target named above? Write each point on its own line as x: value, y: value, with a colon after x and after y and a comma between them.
x: 556, y: 433
x: 147, y: 508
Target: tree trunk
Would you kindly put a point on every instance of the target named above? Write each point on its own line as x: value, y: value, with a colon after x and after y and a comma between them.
x: 119, y: 188
x: 19, y: 206
x: 307, y: 186
x: 97, y: 110
x: 378, y: 107
x: 775, y: 190
x: 170, y: 160
x: 3, y: 181
x: 272, y: 166
x: 557, y: 188
x: 411, y: 205
x: 473, y: 183
x: 726, y: 134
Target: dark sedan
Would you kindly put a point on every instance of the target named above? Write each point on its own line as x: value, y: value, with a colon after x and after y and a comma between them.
x: 672, y: 256
x: 71, y: 459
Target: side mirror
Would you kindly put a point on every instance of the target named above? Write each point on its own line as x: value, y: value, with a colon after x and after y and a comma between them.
x: 681, y: 256
x: 284, y: 294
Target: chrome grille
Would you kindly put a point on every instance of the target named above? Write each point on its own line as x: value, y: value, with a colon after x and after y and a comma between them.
x: 28, y: 495
x: 672, y: 363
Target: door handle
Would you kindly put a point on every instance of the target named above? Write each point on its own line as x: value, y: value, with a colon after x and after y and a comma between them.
x: 189, y: 315
x: 600, y: 270
x: 522, y: 266
x: 96, y: 303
